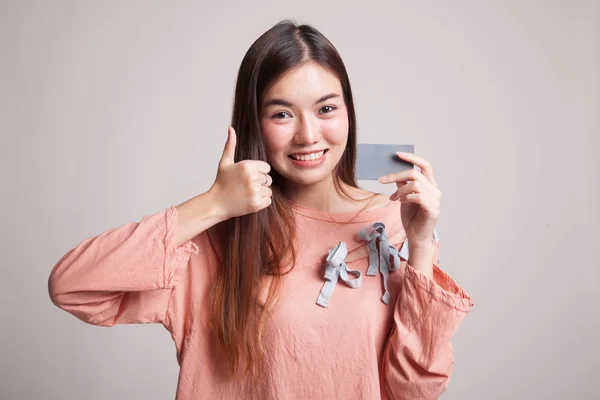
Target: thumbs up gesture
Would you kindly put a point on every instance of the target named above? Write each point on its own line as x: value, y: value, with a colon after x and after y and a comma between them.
x: 241, y: 188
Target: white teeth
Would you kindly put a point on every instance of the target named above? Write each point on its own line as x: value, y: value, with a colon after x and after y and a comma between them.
x: 308, y: 157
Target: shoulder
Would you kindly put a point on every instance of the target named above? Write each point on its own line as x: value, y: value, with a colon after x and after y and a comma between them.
x: 379, y: 201
x: 387, y: 212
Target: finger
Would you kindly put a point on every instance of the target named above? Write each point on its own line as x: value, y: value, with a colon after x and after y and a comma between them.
x: 429, y: 205
x: 417, y: 186
x: 422, y: 163
x: 396, y: 194
x: 269, y: 180
x: 266, y: 192
x: 265, y: 202
x: 403, y: 178
x: 256, y: 167
x: 228, y: 156
x: 262, y: 179
x: 261, y: 166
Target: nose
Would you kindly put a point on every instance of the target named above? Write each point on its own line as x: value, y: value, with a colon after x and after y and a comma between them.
x: 308, y: 131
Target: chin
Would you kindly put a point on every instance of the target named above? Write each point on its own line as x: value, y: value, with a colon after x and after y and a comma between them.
x: 307, y: 178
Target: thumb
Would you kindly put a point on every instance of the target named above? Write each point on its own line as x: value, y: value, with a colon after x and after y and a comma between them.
x: 228, y: 156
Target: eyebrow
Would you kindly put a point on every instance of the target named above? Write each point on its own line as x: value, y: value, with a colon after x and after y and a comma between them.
x: 281, y: 102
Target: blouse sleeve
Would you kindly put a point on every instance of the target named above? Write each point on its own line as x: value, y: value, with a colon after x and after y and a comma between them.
x: 124, y: 275
x: 418, y: 357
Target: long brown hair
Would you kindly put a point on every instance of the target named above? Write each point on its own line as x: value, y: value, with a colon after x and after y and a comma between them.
x: 262, y: 244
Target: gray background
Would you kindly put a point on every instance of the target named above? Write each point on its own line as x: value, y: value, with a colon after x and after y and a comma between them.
x: 113, y: 110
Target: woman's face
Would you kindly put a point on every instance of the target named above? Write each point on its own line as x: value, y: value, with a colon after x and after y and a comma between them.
x: 304, y: 123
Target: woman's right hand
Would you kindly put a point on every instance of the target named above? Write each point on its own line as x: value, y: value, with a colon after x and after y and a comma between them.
x: 241, y: 188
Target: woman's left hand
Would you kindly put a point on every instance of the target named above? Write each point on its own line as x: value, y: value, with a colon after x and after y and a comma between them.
x: 420, y: 198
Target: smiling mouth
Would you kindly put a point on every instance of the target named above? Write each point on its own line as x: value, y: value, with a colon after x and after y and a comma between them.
x: 308, y: 157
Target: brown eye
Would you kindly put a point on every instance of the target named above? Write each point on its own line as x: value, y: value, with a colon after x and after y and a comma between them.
x: 280, y: 115
x: 328, y: 108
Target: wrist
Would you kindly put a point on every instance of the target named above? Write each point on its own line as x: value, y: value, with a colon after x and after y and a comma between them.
x: 195, y: 216
x: 422, y: 246
x: 215, y: 205
x: 421, y: 256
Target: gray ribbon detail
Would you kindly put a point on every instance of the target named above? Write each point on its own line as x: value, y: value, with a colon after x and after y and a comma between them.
x: 336, y: 268
x: 436, y: 238
x: 380, y: 256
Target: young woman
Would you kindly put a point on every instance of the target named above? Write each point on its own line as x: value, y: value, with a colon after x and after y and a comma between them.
x: 246, y: 276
